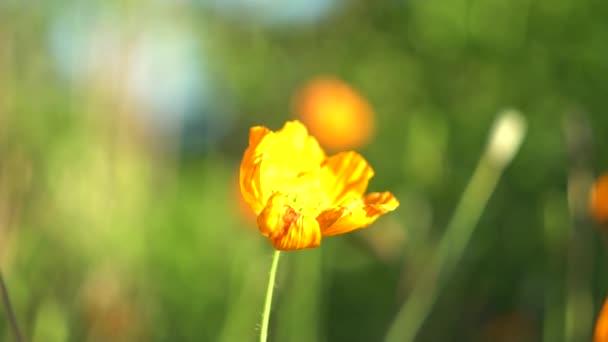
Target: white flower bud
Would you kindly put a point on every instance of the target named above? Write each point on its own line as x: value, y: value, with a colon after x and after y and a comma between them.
x: 506, y: 137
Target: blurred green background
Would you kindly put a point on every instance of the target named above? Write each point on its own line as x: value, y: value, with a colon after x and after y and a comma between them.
x: 122, y: 125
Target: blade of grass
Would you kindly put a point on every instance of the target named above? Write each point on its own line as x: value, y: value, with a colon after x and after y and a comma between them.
x: 579, y: 309
x: 504, y: 142
x: 9, y: 310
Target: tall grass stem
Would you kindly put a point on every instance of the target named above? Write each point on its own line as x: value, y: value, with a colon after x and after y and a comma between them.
x: 504, y: 141
x: 9, y: 310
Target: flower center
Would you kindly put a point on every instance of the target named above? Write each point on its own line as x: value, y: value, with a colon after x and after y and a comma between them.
x: 305, y: 202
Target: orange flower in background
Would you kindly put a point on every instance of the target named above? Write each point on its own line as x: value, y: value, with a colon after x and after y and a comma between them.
x: 599, y: 199
x: 335, y: 113
x: 299, y: 194
x: 601, y: 327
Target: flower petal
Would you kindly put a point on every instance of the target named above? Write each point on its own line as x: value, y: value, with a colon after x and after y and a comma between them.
x: 290, y: 151
x: 345, y: 175
x: 286, y: 228
x: 251, y: 187
x: 274, y: 159
x: 356, y: 213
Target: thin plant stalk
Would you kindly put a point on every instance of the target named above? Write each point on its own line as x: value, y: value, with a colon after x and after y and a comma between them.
x: 269, y: 292
x: 579, y: 310
x: 504, y: 141
x: 9, y: 310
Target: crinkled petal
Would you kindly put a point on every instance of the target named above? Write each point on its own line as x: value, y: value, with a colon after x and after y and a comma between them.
x: 294, y: 138
x: 356, y: 213
x: 286, y: 228
x: 289, y: 153
x: 251, y: 186
x: 274, y: 159
x: 345, y: 175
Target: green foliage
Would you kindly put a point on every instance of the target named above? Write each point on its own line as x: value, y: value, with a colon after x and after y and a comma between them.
x: 112, y: 230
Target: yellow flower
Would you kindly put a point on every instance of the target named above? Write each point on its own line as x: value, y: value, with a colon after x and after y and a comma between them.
x: 299, y: 194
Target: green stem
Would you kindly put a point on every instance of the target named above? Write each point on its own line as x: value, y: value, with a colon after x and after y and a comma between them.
x: 504, y: 142
x: 451, y: 248
x: 268, y: 301
x: 9, y: 310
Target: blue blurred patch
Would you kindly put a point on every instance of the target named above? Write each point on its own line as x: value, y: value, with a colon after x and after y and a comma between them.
x: 274, y: 11
x: 162, y: 70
